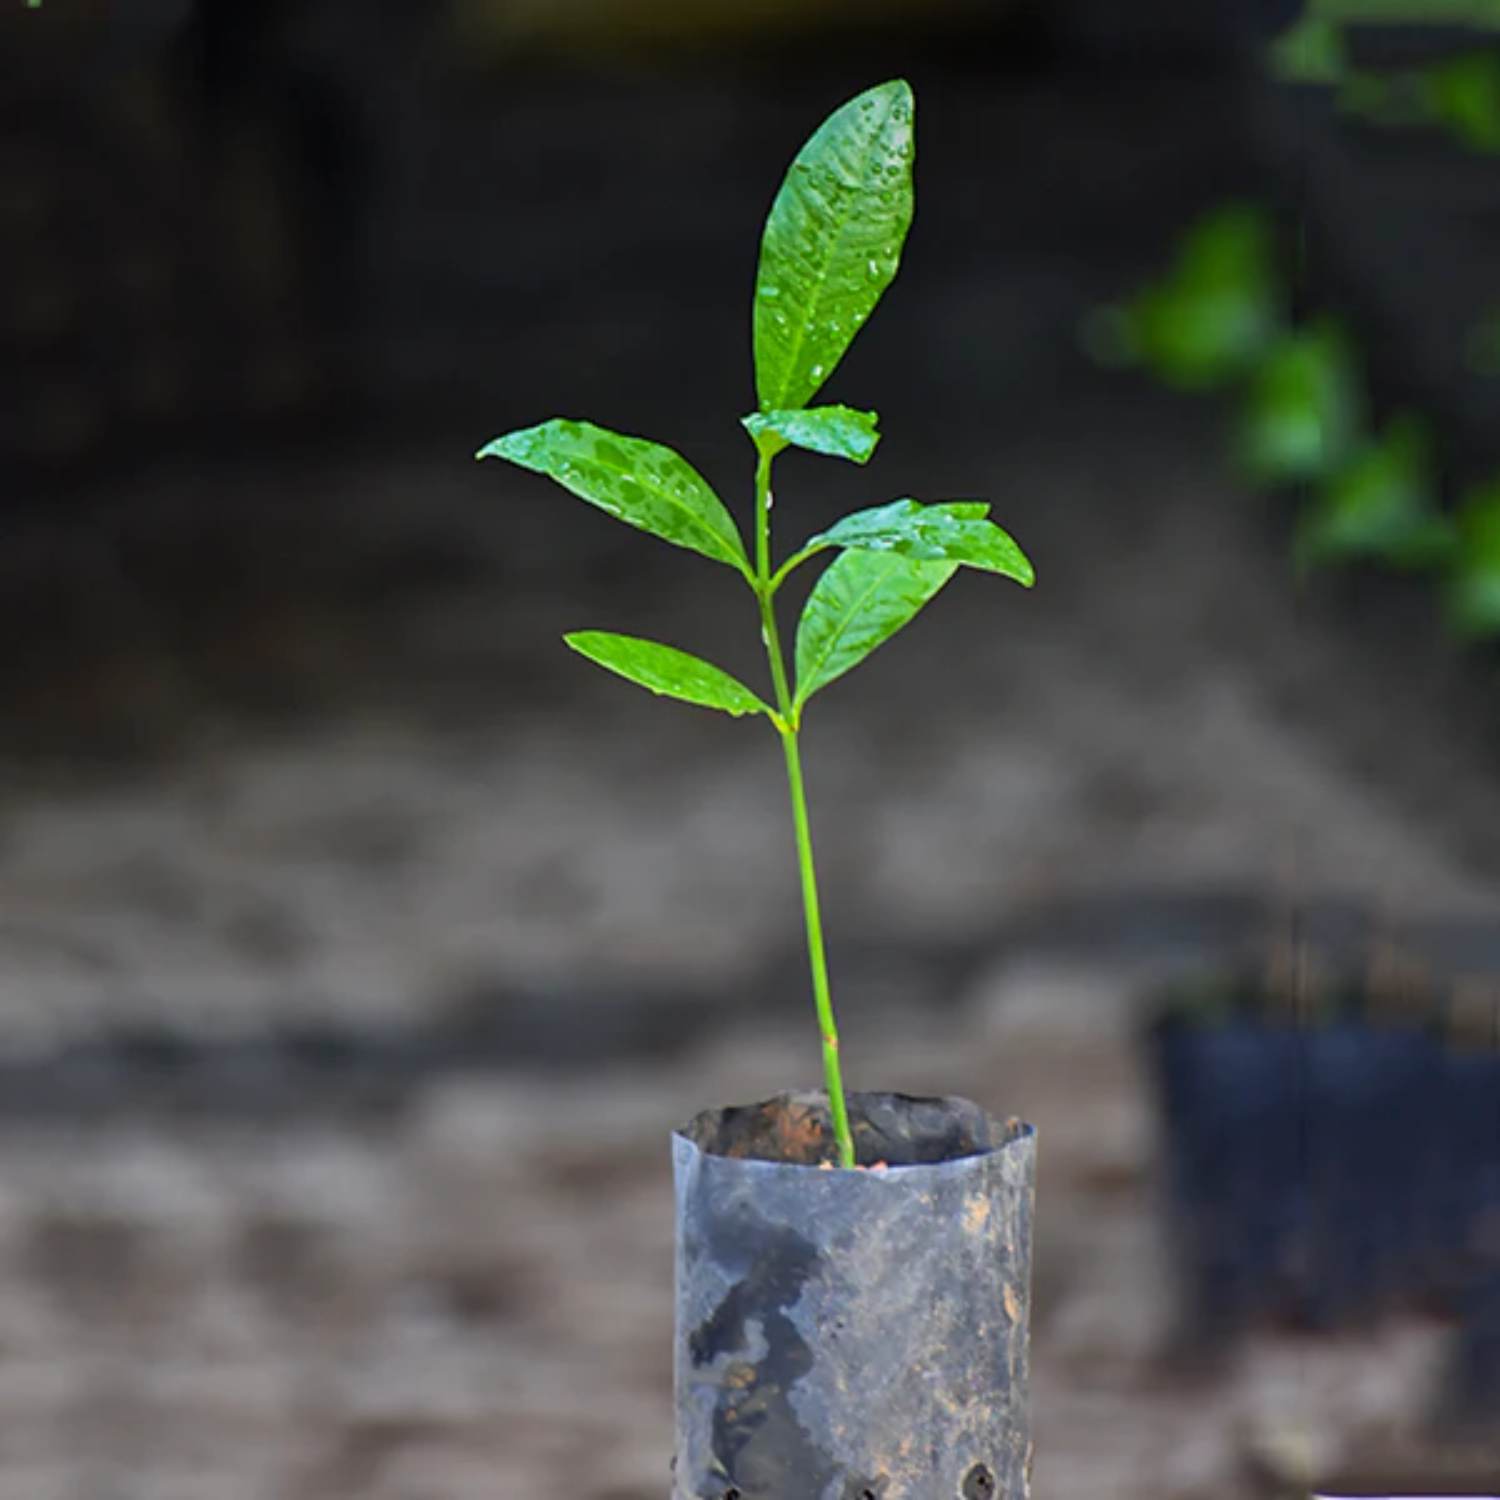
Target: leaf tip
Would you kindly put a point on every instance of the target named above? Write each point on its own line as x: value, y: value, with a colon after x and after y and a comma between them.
x: 898, y: 90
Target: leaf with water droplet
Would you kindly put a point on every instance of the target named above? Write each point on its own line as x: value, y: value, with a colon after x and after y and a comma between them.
x: 638, y: 482
x: 929, y: 533
x: 831, y: 246
x: 844, y: 208
x: 835, y: 431
x: 667, y: 671
x: 860, y: 602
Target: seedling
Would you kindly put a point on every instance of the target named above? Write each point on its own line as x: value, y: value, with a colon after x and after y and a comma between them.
x: 831, y: 246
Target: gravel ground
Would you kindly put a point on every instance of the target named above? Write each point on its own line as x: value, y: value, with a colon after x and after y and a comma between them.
x: 381, y: 790
x: 476, y: 1300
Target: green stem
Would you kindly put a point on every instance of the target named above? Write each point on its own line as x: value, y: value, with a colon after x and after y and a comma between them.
x: 763, y: 539
x: 788, y: 724
x: 832, y: 1071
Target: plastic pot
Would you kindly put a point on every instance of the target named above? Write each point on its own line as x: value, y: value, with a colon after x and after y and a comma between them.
x: 1272, y: 1121
x: 1370, y: 1095
x: 1229, y: 1089
x: 851, y: 1334
x: 1472, y: 1101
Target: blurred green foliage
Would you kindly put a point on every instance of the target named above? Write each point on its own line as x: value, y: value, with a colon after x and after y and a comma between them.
x: 1215, y: 314
x: 1313, y: 51
x: 1472, y: 592
x: 1463, y: 96
x: 1380, y: 505
x: 1480, y: 15
x: 1458, y: 95
x: 1303, y: 409
x: 1220, y: 320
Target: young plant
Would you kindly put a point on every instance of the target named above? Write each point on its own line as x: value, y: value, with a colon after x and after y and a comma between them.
x: 831, y: 246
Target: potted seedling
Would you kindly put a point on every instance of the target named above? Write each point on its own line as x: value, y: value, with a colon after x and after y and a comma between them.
x: 853, y: 1270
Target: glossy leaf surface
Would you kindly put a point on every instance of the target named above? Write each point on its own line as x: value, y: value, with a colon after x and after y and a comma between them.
x: 835, y: 431
x: 832, y: 243
x: 667, y: 671
x: 929, y: 533
x: 638, y: 482
x: 858, y: 604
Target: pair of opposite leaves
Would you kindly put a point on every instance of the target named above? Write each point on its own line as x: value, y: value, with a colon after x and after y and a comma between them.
x: 831, y: 246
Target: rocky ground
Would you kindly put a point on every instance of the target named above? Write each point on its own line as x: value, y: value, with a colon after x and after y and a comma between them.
x: 332, y: 761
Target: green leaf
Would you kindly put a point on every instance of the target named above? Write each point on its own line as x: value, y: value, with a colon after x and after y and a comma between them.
x: 640, y: 483
x: 858, y: 604
x: 1304, y: 409
x: 928, y: 533
x: 1381, y: 507
x: 835, y: 431
x: 958, y: 510
x: 832, y: 243
x: 667, y: 671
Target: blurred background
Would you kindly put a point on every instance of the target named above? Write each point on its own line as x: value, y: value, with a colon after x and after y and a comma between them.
x: 360, y: 946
